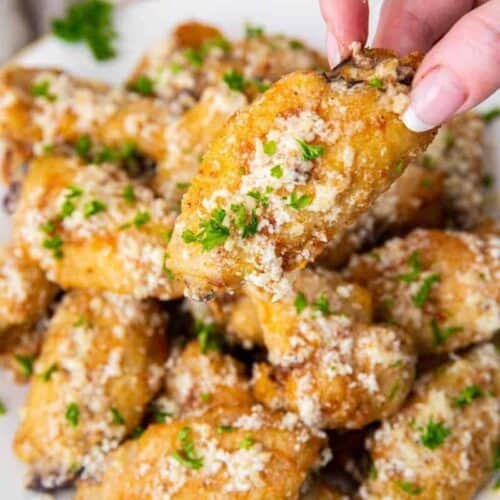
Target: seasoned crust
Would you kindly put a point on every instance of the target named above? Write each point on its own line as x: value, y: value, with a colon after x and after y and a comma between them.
x: 364, y: 145
x: 100, y: 365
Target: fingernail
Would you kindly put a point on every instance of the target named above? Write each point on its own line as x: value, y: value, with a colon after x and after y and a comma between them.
x: 333, y: 49
x: 434, y: 100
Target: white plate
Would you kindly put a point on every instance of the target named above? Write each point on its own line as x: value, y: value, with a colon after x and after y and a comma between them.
x: 139, y: 25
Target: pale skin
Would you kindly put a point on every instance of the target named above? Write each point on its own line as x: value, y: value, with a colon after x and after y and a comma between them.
x: 461, y: 39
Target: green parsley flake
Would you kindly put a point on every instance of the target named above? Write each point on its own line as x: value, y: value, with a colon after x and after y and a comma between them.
x: 129, y: 194
x: 208, y: 336
x: 182, y: 185
x: 277, y: 172
x: 160, y: 416
x: 251, y: 227
x: 491, y: 115
x: 300, y: 302
x: 394, y: 390
x: 296, y: 45
x: 269, y: 147
x: 90, y: 22
x: 138, y: 432
x: 399, y: 167
x: 175, y: 68
x: 410, y: 488
x: 300, y: 201
x: 222, y: 429
x: 252, y: 31
x: 42, y: 90
x: 82, y: 322
x: 310, y: 151
x: 466, y: 397
x: 55, y: 244
x: 247, y: 442
x: 47, y: 374
x: 322, y: 305
x: 25, y: 364
x: 434, y: 434
x: 140, y: 219
x: 205, y: 397
x: 3, y: 408
x: 168, y: 272
x: 442, y: 334
x: 48, y: 227
x: 93, y: 207
x: 422, y: 295
x: 375, y: 82
x: 67, y: 208
x: 117, y: 417
x: 187, y: 454
x: 143, y: 85
x: 73, y: 414
x: 373, y: 473
x: 195, y: 57
x: 234, y: 80
x: 83, y: 146
x: 212, y: 232
x: 259, y: 197
x: 216, y: 43
x: 415, y: 268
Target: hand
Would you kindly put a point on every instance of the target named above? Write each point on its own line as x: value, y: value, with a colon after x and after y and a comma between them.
x: 461, y: 38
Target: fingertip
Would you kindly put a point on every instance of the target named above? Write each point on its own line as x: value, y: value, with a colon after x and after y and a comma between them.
x: 413, y: 122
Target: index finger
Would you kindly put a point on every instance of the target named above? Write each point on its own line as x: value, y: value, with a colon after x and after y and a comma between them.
x: 347, y: 22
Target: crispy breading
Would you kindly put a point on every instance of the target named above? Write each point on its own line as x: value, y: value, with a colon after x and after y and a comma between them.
x: 442, y: 287
x: 327, y: 363
x: 301, y: 193
x: 100, y: 365
x: 199, y: 377
x: 442, y: 443
x: 228, y: 453
x: 92, y: 226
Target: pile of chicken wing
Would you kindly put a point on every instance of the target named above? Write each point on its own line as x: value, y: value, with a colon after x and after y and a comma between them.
x: 240, y: 275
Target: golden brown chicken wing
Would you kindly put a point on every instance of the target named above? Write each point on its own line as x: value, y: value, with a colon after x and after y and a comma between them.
x: 442, y: 287
x: 100, y: 365
x: 293, y: 170
x: 92, y: 226
x: 443, y: 442
x: 228, y: 453
x: 328, y: 364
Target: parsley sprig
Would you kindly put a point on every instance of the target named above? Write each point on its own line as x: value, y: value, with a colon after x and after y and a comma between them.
x: 415, y: 268
x: 310, y: 151
x: 442, y: 334
x: 208, y: 336
x: 187, y: 455
x: 434, y: 434
x: 91, y: 22
x: 466, y: 396
x: 212, y: 232
x: 422, y: 294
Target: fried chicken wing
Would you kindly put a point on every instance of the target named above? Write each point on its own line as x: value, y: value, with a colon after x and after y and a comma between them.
x: 92, y: 226
x: 328, y: 364
x: 442, y: 443
x: 100, y: 365
x: 201, y: 377
x: 442, y: 287
x: 291, y: 171
x: 227, y: 453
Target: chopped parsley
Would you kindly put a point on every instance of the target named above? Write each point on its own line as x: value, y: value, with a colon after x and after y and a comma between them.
x: 208, y: 336
x: 83, y: 146
x: 394, y: 390
x: 269, y: 147
x: 82, y: 322
x: 93, y: 207
x: 182, y: 185
x: 466, y: 397
x: 399, y: 167
x: 310, y: 151
x: 373, y: 473
x: 296, y: 44
x: 67, y: 208
x: 410, y: 488
x: 42, y: 89
x: 234, y: 80
x: 90, y: 22
x: 442, y: 334
x: 47, y: 374
x: 491, y: 115
x: 247, y: 442
x: 168, y: 272
x: 54, y: 244
x: 160, y: 416
x: 3, y: 408
x: 422, y: 294
x: 129, y: 194
x: 322, y: 305
x: 175, y: 68
x: 260, y: 197
x: 25, y: 364
x: 73, y: 414
x: 195, y: 57
x: 117, y: 417
x: 248, y: 227
x: 252, y: 31
x: 212, y: 232
x: 205, y: 397
x: 143, y: 85
x: 138, y: 431
x: 277, y: 172
x: 300, y: 201
x: 434, y: 434
x: 415, y: 268
x: 222, y: 429
x: 187, y: 455
x: 140, y: 219
x: 375, y: 82
x: 300, y: 302
x: 218, y: 42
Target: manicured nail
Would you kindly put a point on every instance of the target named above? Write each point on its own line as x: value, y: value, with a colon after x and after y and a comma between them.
x: 434, y: 100
x: 333, y: 49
